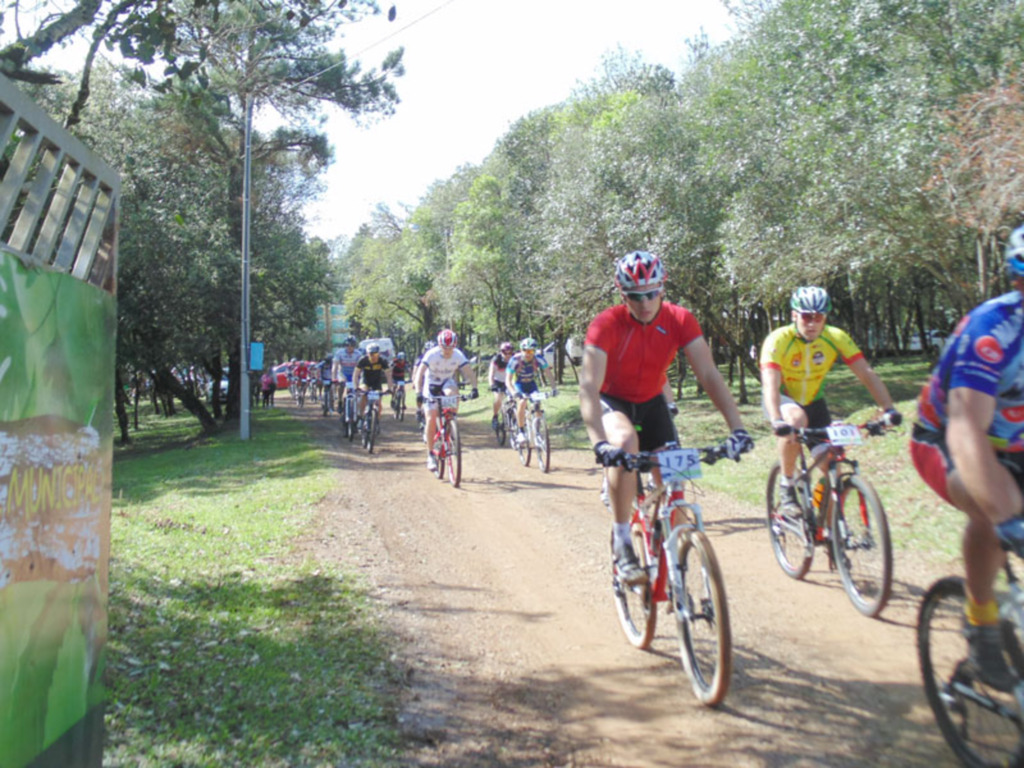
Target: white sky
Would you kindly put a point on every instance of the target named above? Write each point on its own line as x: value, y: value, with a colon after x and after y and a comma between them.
x: 474, y: 67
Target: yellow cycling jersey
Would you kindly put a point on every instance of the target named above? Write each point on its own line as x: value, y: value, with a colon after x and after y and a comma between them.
x: 804, y: 364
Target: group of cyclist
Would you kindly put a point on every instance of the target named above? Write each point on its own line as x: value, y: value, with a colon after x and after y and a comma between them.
x: 967, y: 443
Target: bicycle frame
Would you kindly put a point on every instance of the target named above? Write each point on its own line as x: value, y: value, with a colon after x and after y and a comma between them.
x: 664, y: 531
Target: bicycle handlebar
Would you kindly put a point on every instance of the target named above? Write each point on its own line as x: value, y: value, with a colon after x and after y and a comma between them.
x: 872, y: 428
x: 645, y: 461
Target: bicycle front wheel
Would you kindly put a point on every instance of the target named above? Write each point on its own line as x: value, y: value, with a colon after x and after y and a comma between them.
x: 791, y: 543
x: 523, y: 447
x: 702, y: 620
x: 453, y: 447
x: 372, y: 427
x: 439, y: 454
x: 499, y: 431
x: 540, y: 441
x: 637, y: 611
x: 976, y: 721
x: 861, y: 546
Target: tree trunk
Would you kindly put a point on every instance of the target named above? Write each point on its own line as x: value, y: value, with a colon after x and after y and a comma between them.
x: 168, y: 383
x: 119, y: 407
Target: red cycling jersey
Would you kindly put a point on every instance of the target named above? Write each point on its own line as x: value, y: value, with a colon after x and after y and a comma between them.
x: 638, y: 354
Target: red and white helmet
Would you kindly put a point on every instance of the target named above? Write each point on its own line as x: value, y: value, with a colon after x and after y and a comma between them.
x: 448, y: 339
x: 639, y: 270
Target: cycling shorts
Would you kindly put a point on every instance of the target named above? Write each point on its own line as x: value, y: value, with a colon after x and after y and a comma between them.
x: 525, y: 388
x: 651, y: 418
x: 447, y: 387
x: 498, y: 386
x: 933, y: 462
x: 818, y: 416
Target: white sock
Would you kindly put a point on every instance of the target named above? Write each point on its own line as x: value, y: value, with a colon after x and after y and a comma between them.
x: 620, y: 532
x: 785, y: 482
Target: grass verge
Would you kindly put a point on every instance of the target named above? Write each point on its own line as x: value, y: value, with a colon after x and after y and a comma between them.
x: 226, y: 649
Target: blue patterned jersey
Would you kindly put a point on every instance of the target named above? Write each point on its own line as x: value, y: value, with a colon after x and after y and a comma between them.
x: 984, y: 353
x: 523, y: 371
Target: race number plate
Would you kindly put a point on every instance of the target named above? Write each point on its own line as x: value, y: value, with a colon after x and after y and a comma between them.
x: 373, y: 395
x: 449, y: 401
x: 844, y: 434
x: 679, y: 464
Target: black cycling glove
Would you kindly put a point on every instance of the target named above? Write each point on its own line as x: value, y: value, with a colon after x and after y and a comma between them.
x: 781, y: 428
x: 892, y: 418
x: 609, y: 455
x: 737, y: 443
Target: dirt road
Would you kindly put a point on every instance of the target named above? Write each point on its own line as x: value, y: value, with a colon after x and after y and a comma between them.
x: 500, y: 593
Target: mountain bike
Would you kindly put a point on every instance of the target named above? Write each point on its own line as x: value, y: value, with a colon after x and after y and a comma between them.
x: 501, y: 425
x: 300, y: 392
x: 398, y: 401
x: 841, y: 512
x: 349, y: 417
x: 669, y: 540
x: 536, y: 430
x: 327, y: 401
x: 984, y: 727
x: 509, y: 424
x: 447, y: 446
x: 370, y: 424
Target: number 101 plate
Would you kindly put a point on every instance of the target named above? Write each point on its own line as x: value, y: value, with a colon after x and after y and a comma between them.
x: 844, y: 434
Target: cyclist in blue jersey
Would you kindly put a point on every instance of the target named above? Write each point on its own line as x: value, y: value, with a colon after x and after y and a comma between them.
x: 968, y: 445
x: 345, y: 359
x: 520, y: 379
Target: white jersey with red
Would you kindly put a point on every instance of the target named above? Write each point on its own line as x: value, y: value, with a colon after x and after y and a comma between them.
x: 639, y: 355
x: 439, y: 368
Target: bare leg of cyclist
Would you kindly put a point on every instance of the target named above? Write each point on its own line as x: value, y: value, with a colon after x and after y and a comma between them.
x: 621, y: 432
x: 431, y: 432
x: 983, y: 556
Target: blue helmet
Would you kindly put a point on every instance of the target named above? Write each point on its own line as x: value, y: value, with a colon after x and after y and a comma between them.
x: 1015, y: 253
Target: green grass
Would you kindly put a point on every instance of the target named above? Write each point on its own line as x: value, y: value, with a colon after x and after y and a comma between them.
x: 225, y: 649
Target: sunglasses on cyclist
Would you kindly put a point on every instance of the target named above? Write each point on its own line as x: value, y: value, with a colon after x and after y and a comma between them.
x: 812, y: 317
x: 641, y: 296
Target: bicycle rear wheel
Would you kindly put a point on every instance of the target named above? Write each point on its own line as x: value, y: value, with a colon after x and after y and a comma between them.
x: 638, y: 614
x: 702, y: 620
x: 791, y: 543
x: 453, y: 447
x: 540, y: 440
x: 861, y: 545
x: 976, y: 721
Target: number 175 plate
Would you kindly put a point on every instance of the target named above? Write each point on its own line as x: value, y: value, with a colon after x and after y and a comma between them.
x: 679, y: 464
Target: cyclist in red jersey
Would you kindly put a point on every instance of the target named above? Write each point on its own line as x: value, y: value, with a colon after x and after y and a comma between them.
x: 627, y: 350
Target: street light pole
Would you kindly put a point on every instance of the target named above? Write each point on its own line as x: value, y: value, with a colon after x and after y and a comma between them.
x: 246, y: 216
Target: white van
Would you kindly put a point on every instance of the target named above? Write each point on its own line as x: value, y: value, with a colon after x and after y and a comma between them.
x: 387, y: 347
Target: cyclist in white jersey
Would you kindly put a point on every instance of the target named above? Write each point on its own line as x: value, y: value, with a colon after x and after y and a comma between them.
x: 436, y: 375
x: 345, y: 359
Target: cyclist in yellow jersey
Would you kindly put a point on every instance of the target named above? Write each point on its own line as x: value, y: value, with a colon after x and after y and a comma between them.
x: 794, y: 362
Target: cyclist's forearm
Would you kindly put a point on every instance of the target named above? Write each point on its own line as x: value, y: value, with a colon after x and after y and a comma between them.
x: 877, y: 388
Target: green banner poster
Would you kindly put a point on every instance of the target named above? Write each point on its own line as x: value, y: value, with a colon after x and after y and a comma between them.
x: 56, y: 445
